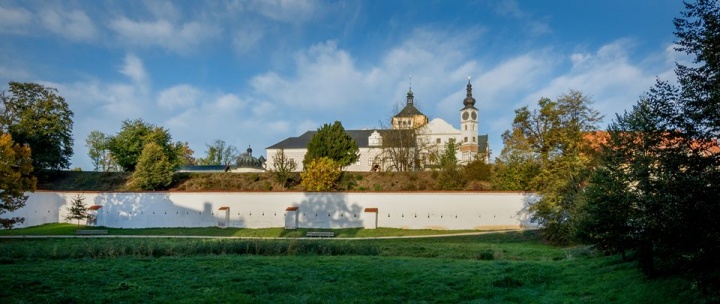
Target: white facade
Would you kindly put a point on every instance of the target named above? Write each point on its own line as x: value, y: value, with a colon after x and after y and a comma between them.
x: 419, y: 210
x: 432, y: 137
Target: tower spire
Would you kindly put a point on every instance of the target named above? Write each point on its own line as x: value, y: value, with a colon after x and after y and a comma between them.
x: 469, y: 101
x: 410, y: 96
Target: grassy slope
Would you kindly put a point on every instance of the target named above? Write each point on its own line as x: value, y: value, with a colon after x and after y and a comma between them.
x: 495, y: 268
x: 353, y: 181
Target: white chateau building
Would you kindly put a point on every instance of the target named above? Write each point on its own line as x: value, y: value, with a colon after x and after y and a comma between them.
x: 432, y: 135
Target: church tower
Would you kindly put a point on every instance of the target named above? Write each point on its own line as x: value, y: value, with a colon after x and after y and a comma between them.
x: 468, y: 127
x: 409, y: 117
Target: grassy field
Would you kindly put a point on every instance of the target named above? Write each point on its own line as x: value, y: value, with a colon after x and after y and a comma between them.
x: 491, y: 268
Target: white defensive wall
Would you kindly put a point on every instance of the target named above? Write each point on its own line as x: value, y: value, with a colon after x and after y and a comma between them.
x: 406, y: 210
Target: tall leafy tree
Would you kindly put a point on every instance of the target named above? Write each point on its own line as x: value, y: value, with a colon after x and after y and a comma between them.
x: 154, y: 170
x: 516, y: 166
x: 219, y: 153
x: 551, y: 143
x: 127, y: 145
x: 184, y: 154
x: 37, y: 116
x: 15, y: 178
x: 450, y: 178
x: 333, y: 142
x: 97, y: 144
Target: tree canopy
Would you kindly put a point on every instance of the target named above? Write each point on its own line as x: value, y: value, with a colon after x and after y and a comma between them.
x: 127, y: 145
x: 321, y: 174
x: 656, y: 189
x: 37, y: 116
x: 219, y: 153
x: 549, y: 150
x: 16, y: 172
x: 333, y: 142
x: 154, y: 170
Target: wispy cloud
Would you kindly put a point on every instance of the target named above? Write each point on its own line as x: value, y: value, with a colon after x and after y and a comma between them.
x: 178, y: 97
x: 533, y: 24
x: 14, y: 20
x: 296, y: 11
x: 134, y: 69
x: 73, y: 24
x: 181, y: 38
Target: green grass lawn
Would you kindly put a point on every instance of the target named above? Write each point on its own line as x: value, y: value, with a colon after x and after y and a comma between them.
x: 515, y: 267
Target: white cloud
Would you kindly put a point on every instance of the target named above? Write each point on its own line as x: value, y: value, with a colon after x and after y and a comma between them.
x: 290, y: 11
x: 75, y: 24
x: 14, y: 20
x: 163, y: 10
x: 179, y: 97
x: 511, y: 8
x: 134, y: 69
x: 326, y: 78
x: 263, y: 108
x: 247, y: 38
x: 182, y: 38
x: 607, y: 75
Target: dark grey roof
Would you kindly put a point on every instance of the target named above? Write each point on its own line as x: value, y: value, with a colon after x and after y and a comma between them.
x: 409, y: 111
x: 206, y: 168
x: 301, y: 142
x: 483, y: 143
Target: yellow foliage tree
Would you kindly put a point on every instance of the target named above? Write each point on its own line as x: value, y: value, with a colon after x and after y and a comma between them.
x: 321, y: 174
x: 16, y: 172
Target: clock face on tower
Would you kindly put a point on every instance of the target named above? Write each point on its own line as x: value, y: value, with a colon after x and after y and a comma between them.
x: 474, y: 115
x: 465, y: 115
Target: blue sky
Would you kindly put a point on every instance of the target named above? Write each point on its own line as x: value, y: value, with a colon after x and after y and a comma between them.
x: 256, y: 72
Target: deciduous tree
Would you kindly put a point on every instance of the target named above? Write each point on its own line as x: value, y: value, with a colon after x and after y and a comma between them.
x: 16, y: 178
x: 154, y: 170
x: 219, y: 153
x: 283, y: 168
x: 320, y: 174
x: 97, y: 144
x: 450, y: 177
x: 554, y: 141
x: 37, y: 116
x: 127, y: 145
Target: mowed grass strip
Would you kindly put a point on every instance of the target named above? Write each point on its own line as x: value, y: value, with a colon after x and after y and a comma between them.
x: 70, y: 229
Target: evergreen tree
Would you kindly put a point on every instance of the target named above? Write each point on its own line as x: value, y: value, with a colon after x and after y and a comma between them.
x: 77, y: 210
x: 333, y: 142
x: 665, y: 153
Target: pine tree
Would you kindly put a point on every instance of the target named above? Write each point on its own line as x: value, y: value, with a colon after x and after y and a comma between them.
x: 333, y: 142
x: 77, y: 210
